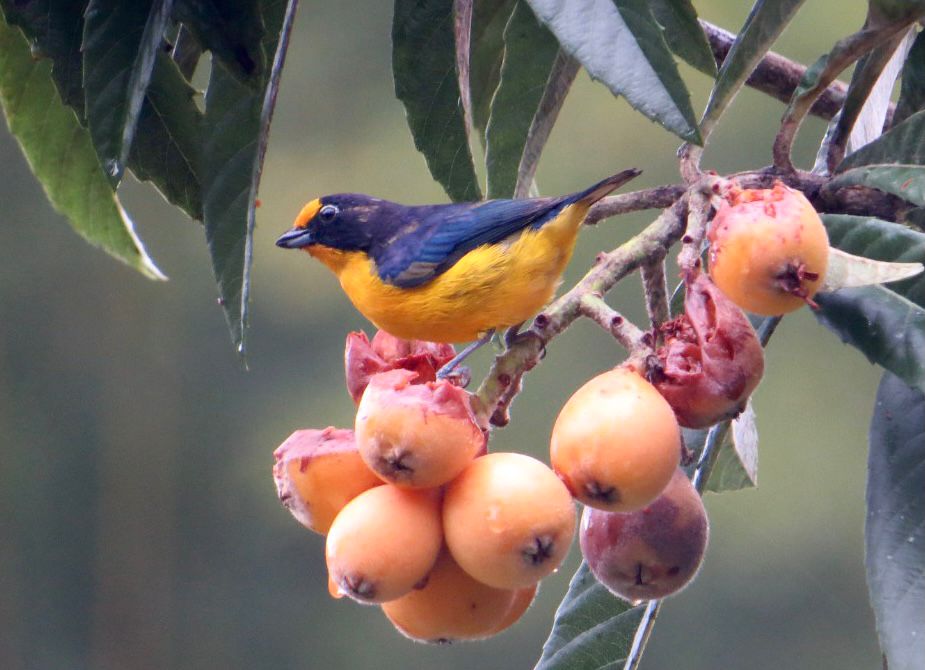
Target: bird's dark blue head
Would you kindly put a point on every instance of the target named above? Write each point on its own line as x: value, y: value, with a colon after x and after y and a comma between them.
x: 345, y: 221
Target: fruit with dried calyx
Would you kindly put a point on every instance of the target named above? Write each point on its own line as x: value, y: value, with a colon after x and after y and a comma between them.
x: 650, y: 553
x: 711, y: 359
x: 508, y: 520
x: 416, y: 435
x: 317, y: 472
x: 768, y: 249
x: 616, y: 442
x: 384, y: 542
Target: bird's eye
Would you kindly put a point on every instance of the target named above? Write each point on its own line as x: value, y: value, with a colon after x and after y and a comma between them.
x: 327, y: 213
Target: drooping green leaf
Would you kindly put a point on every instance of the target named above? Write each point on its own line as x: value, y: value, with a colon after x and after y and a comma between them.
x: 486, y: 54
x: 866, y: 102
x: 683, y: 33
x: 166, y: 150
x: 120, y: 42
x: 55, y: 28
x: 849, y: 271
x: 424, y: 67
x: 592, y: 629
x: 530, y: 53
x: 61, y: 154
x: 736, y: 465
x: 233, y: 30
x: 887, y: 328
x: 912, y: 90
x: 902, y: 144
x: 235, y: 132
x: 619, y: 43
x: 895, y: 528
x: 904, y: 181
x: 766, y: 21
x: 884, y: 241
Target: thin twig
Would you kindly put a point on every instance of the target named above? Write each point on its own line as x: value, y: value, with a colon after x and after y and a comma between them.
x: 659, y: 197
x: 625, y: 331
x: 655, y: 287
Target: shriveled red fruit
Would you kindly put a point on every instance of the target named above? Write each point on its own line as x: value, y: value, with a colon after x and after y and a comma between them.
x: 363, y: 359
x: 711, y: 360
x: 616, y: 442
x: 384, y: 543
x: 317, y: 472
x: 768, y: 249
x: 508, y: 520
x: 650, y: 553
x: 416, y: 435
x: 450, y: 606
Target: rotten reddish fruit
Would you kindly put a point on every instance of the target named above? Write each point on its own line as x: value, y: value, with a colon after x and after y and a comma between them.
x: 711, y: 359
x: 317, y: 472
x: 508, y: 520
x: 451, y: 606
x: 650, y: 553
x: 616, y: 442
x: 384, y: 543
x: 363, y: 359
x: 416, y: 435
x: 768, y: 249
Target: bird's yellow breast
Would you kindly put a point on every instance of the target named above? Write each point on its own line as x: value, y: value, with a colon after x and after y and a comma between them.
x: 492, y: 286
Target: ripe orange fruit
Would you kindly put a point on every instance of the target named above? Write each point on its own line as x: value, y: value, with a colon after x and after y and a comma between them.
x: 616, y: 442
x: 508, y: 520
x: 384, y: 542
x: 768, y: 250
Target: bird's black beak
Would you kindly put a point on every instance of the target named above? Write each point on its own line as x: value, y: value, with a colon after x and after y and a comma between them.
x: 295, y: 239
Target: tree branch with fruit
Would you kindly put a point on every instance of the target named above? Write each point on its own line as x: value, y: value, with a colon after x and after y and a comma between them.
x: 417, y: 514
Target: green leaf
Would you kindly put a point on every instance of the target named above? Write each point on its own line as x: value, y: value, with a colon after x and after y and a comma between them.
x: 683, y: 33
x: 234, y: 132
x: 619, y: 43
x: 912, y: 90
x: 736, y: 465
x: 868, y: 93
x: 166, y: 150
x: 888, y: 329
x: 530, y: 54
x: 766, y: 21
x: 120, y: 42
x: 895, y: 528
x: 186, y: 52
x: 904, y: 143
x: 424, y: 67
x: 486, y: 54
x: 55, y: 28
x: 61, y: 154
x: 233, y: 30
x: 903, y: 181
x: 883, y: 241
x: 592, y: 629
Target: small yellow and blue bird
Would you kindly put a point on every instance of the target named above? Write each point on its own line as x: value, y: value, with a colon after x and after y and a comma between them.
x: 446, y: 273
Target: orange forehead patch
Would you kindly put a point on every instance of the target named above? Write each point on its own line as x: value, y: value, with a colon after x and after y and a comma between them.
x: 307, y: 214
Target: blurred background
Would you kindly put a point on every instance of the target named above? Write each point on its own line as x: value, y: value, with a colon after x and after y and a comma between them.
x: 139, y: 526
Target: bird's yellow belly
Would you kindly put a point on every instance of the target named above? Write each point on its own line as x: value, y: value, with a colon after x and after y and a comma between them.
x: 494, y: 286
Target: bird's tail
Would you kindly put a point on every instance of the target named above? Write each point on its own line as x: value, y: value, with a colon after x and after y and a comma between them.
x: 594, y: 193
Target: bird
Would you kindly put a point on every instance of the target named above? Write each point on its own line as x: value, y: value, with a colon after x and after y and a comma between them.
x: 449, y: 273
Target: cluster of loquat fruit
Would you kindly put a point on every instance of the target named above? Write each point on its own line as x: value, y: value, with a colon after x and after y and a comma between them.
x: 452, y: 541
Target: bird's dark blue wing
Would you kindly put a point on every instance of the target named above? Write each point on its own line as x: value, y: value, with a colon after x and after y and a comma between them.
x: 435, y: 237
